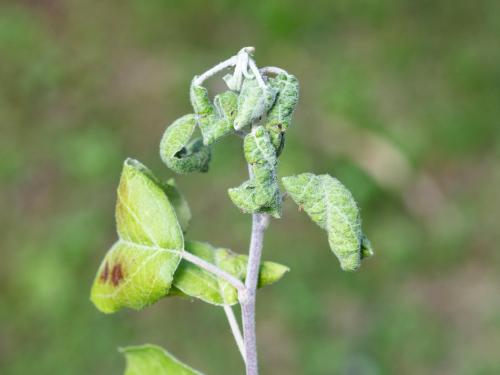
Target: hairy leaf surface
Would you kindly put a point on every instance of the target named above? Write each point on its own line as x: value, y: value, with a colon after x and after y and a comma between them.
x: 193, y: 281
x: 153, y: 360
x: 178, y: 153
x: 279, y: 116
x: 332, y: 206
x: 261, y: 193
x: 253, y: 102
x: 139, y: 268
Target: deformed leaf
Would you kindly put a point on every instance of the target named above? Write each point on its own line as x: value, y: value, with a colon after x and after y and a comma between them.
x: 193, y: 281
x: 261, y: 193
x: 139, y: 268
x: 279, y: 116
x: 253, y: 102
x: 179, y: 202
x: 200, y: 100
x: 221, y: 123
x: 332, y: 206
x: 178, y: 153
x: 226, y: 105
x: 153, y: 360
x: 215, y: 121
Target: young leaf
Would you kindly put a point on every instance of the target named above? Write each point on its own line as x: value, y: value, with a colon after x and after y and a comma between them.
x: 180, y: 204
x: 178, y: 153
x: 332, y: 206
x: 214, y: 121
x: 138, y: 270
x: 279, y: 116
x: 253, y: 102
x: 193, y: 281
x: 226, y: 109
x: 153, y: 360
x: 261, y: 193
x: 200, y: 100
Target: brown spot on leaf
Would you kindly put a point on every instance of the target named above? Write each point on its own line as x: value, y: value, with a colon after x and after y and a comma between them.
x: 116, y: 274
x: 104, y: 273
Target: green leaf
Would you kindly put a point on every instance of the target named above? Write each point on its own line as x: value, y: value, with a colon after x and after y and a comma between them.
x: 279, y: 116
x: 200, y: 100
x: 221, y: 123
x: 332, y: 206
x: 138, y: 270
x: 214, y: 121
x: 253, y: 102
x: 178, y: 153
x: 179, y: 202
x: 193, y: 281
x: 153, y: 360
x: 261, y: 193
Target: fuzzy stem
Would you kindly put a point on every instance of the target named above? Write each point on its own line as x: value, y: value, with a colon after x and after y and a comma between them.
x: 216, y: 69
x: 215, y: 270
x: 235, y: 329
x: 247, y: 301
x: 272, y: 70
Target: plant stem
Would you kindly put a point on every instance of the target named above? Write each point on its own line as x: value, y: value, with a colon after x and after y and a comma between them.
x: 272, y: 70
x: 235, y: 329
x: 216, y: 69
x: 247, y: 300
x: 215, y: 270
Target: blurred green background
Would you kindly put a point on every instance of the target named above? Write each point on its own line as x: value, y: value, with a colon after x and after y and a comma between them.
x: 399, y: 99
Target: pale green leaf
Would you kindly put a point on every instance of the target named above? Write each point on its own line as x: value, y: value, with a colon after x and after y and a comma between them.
x: 215, y: 120
x: 180, y: 204
x: 193, y: 281
x: 279, y: 116
x: 200, y: 100
x: 139, y: 268
x: 153, y: 360
x: 180, y: 154
x: 253, y: 102
x: 133, y: 275
x: 261, y: 193
x: 332, y: 206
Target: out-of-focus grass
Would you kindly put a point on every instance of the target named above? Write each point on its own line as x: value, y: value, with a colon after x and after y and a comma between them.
x: 400, y: 100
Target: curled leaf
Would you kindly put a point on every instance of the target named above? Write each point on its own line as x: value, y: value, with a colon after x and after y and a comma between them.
x: 178, y: 153
x: 261, y: 193
x: 193, y: 281
x: 279, y: 116
x: 253, y: 102
x: 215, y: 120
x: 200, y: 100
x: 139, y: 268
x: 180, y: 204
x: 332, y: 206
x: 153, y: 360
x: 220, y: 124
